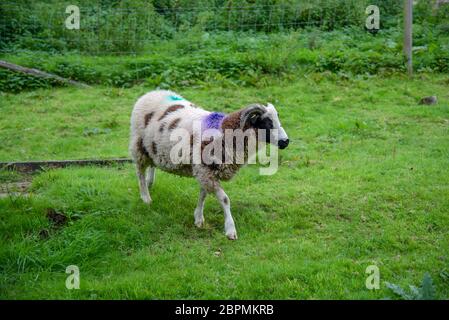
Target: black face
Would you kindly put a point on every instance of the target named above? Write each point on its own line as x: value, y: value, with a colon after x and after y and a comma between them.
x: 264, y: 123
x: 282, y: 144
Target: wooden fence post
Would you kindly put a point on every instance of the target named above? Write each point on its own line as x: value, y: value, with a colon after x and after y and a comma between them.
x: 408, y: 40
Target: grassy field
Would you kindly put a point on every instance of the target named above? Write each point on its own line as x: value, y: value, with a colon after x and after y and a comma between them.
x: 365, y: 181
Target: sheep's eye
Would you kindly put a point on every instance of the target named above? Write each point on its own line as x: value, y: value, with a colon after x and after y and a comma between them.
x: 265, y: 123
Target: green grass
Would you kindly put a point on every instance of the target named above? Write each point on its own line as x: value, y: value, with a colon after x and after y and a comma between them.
x: 364, y: 181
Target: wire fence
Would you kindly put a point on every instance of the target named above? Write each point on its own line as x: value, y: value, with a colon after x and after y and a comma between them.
x: 170, y: 43
x: 131, y: 28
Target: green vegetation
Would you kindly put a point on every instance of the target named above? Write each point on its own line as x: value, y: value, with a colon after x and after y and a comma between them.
x: 214, y: 43
x: 126, y: 25
x: 235, y: 60
x: 425, y: 292
x: 364, y: 181
x: 123, y: 26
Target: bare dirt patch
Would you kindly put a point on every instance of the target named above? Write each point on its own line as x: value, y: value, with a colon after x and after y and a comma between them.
x: 58, y: 219
x: 14, y: 188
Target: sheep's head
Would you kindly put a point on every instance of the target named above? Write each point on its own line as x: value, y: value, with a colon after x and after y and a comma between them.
x: 257, y: 116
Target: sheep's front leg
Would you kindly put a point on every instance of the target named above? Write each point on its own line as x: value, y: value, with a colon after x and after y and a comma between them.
x: 199, y: 217
x: 223, y: 198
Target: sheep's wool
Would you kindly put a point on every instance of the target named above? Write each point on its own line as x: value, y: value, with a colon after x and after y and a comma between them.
x: 153, y: 120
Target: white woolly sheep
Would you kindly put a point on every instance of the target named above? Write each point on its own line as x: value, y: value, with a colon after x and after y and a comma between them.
x: 158, y: 113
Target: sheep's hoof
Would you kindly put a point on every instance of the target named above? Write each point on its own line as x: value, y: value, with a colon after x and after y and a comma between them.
x: 199, y: 218
x: 199, y: 223
x: 146, y: 199
x: 232, y: 235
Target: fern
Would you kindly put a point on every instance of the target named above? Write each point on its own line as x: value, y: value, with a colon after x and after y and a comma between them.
x: 427, y: 289
x: 425, y: 292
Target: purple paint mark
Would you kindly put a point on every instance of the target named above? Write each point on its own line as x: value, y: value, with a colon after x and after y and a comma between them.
x: 213, y: 121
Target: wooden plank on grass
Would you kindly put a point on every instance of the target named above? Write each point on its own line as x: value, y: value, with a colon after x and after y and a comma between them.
x: 33, y: 166
x: 40, y: 74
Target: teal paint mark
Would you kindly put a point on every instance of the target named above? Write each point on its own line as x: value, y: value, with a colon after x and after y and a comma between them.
x: 175, y: 98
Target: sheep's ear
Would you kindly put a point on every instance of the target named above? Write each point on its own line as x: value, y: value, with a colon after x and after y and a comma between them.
x: 250, y: 114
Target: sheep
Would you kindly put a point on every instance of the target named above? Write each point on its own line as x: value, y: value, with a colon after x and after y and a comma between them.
x: 155, y: 117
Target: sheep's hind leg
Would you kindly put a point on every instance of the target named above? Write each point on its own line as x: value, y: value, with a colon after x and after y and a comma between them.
x: 151, y: 176
x: 144, y: 193
x: 223, y: 198
x: 199, y: 217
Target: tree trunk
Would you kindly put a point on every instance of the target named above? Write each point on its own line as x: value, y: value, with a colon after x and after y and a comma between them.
x: 40, y: 74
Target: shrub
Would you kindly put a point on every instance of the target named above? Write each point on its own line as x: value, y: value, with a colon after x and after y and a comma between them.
x: 16, y: 82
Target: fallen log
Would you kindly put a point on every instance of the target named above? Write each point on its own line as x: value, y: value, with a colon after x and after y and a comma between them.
x: 33, y: 166
x: 40, y: 74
